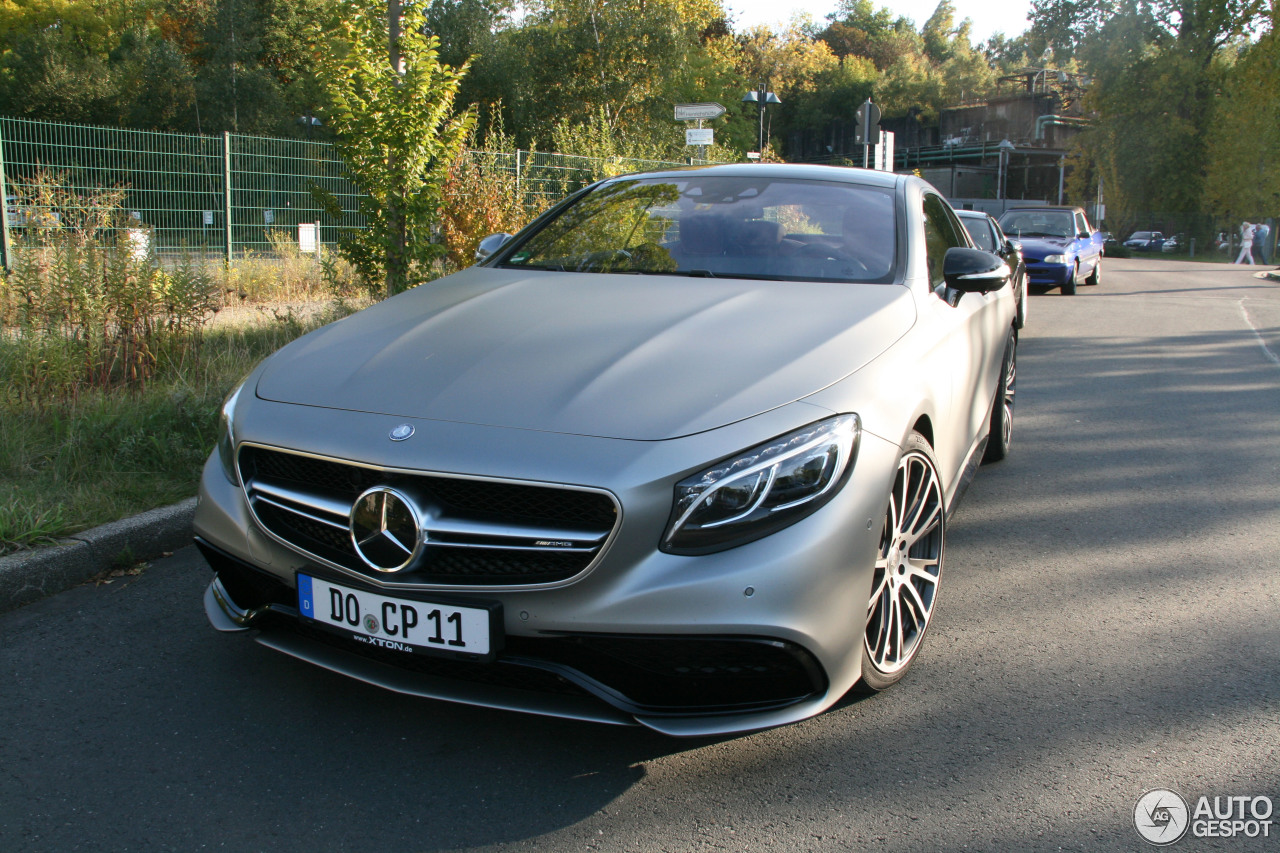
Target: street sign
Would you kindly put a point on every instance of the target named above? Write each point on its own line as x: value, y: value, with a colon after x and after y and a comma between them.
x: 868, y: 118
x: 694, y: 112
x: 884, y: 152
x: 699, y: 136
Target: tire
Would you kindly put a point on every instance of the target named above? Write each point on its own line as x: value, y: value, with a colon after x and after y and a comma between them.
x: 1000, y: 437
x: 1023, y: 293
x: 1095, y: 277
x: 1069, y: 288
x: 908, y: 568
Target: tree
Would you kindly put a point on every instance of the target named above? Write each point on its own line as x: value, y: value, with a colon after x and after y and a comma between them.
x: 1243, y: 176
x: 1158, y: 69
x: 396, y: 132
x: 572, y: 60
x: 859, y: 29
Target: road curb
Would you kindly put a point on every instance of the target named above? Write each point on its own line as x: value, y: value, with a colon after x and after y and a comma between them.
x: 28, y: 576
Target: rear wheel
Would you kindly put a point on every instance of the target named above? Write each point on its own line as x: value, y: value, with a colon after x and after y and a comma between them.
x: 908, y: 567
x: 1095, y: 277
x: 1000, y: 437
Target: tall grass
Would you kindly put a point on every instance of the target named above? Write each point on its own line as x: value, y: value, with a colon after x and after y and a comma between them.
x: 72, y: 463
x: 112, y: 372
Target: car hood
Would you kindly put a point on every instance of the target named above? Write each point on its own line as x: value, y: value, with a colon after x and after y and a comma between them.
x: 1041, y: 246
x: 617, y: 356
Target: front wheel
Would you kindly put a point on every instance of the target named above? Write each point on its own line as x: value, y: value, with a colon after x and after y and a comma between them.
x: 1069, y: 287
x: 1023, y: 292
x: 908, y: 567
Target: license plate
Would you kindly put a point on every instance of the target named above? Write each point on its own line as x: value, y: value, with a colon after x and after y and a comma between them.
x: 399, y: 624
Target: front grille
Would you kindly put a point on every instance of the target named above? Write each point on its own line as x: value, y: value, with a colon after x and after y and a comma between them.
x: 479, y: 532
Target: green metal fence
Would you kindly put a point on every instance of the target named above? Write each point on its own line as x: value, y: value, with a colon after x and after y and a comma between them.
x: 219, y: 195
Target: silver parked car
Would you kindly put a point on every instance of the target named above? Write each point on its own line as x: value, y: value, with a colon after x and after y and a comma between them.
x: 681, y: 453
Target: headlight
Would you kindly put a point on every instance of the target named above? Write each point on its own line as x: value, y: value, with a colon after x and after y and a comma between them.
x: 1055, y: 259
x: 226, y: 438
x: 762, y: 490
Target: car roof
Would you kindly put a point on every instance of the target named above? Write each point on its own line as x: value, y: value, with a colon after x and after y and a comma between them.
x: 1063, y: 207
x: 794, y: 171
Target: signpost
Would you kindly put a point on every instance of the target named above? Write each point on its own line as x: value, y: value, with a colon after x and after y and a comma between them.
x: 698, y: 112
x: 868, y: 129
x: 699, y: 136
x: 884, y: 152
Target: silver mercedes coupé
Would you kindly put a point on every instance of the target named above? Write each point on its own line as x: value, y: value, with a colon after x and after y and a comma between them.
x: 681, y: 453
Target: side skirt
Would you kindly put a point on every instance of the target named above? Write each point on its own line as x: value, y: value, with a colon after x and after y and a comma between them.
x: 967, y: 473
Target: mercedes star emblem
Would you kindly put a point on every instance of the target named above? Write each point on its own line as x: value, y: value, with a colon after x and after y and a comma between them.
x: 402, y: 432
x: 386, y: 530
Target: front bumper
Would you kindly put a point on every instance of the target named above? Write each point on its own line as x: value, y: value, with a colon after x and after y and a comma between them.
x: 1052, y: 275
x: 761, y: 635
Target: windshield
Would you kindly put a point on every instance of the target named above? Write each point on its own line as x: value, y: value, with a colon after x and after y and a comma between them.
x: 720, y: 227
x: 1038, y: 223
x: 1142, y: 235
x: 980, y: 233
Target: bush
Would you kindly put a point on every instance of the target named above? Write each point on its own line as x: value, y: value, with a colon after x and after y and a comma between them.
x: 86, y: 315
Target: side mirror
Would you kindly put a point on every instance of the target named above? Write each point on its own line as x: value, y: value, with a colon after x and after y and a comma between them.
x: 489, y: 245
x: 974, y: 271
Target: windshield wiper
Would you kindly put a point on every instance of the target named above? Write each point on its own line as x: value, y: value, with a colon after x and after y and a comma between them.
x: 550, y: 267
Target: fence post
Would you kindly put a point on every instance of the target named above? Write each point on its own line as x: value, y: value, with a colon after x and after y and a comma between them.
x: 6, y: 245
x: 226, y: 191
x: 518, y: 194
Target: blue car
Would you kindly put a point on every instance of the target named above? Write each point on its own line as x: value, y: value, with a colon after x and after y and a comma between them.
x: 1059, y: 246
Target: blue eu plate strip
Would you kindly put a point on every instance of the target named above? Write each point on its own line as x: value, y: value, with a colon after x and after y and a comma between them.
x: 306, y: 602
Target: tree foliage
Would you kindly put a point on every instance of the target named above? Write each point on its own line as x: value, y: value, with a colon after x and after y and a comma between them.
x: 1243, y: 174
x: 397, y: 132
x: 1165, y: 83
x: 181, y: 65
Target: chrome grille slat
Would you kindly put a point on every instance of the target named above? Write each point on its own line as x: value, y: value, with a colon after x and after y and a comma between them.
x: 261, y: 496
x: 515, y: 534
x: 543, y: 549
x: 315, y: 501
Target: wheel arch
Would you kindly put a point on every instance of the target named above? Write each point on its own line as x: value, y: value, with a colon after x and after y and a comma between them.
x: 924, y: 426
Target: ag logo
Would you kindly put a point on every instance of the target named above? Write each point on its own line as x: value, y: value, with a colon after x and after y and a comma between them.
x: 1161, y: 817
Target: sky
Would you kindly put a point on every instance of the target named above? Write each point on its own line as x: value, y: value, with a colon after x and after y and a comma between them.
x: 988, y: 16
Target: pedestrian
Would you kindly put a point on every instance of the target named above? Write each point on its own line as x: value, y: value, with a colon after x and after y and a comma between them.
x: 1262, y: 243
x: 1246, y: 243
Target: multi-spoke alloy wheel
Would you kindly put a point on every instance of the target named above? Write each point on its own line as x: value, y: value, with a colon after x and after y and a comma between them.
x: 908, y: 568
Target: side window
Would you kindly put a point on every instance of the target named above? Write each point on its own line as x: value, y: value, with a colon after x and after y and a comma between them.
x: 993, y: 237
x: 1082, y: 226
x: 1000, y: 238
x: 940, y: 233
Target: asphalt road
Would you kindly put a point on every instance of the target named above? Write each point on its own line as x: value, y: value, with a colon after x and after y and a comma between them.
x: 1109, y: 624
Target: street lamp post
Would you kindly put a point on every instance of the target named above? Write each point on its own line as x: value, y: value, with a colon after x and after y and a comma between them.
x: 762, y: 98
